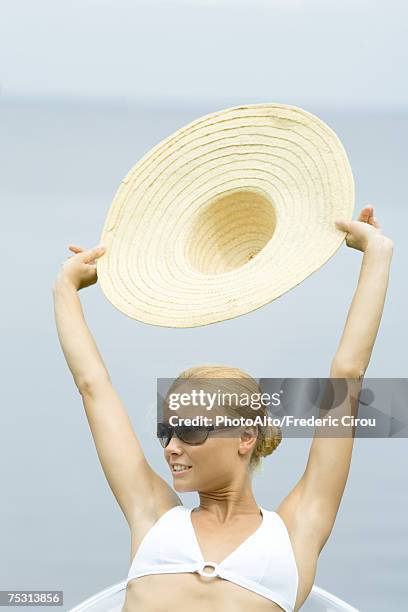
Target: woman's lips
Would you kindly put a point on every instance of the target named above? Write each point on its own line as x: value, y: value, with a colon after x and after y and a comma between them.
x: 180, y: 472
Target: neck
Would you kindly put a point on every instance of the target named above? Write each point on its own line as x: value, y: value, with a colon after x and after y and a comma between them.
x: 229, y: 501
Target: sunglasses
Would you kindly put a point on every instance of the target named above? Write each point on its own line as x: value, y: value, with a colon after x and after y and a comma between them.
x: 193, y: 435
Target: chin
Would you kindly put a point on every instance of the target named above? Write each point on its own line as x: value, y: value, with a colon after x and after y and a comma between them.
x: 182, y: 487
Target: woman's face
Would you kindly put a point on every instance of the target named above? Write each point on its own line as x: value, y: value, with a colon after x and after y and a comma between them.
x: 210, y: 466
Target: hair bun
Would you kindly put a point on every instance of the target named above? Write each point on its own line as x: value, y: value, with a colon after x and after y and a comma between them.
x: 270, y: 443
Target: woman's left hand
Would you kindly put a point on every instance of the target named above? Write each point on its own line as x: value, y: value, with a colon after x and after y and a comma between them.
x: 363, y: 231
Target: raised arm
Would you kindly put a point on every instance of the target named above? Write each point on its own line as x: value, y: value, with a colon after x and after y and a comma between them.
x: 141, y: 493
x: 315, y: 499
x: 363, y: 320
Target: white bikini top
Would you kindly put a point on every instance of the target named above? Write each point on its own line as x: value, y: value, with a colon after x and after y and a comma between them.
x: 263, y: 563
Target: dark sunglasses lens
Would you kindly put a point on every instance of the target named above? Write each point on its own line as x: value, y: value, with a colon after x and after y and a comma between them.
x: 192, y: 435
x: 164, y: 434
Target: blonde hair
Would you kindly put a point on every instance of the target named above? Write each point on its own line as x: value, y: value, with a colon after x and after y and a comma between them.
x: 269, y: 437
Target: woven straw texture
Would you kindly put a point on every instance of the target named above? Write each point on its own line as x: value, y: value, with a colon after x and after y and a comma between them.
x: 225, y: 215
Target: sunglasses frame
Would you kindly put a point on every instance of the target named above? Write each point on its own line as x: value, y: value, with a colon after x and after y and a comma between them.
x: 177, y: 429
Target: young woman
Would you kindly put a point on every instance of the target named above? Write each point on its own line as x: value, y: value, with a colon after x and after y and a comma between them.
x: 227, y: 554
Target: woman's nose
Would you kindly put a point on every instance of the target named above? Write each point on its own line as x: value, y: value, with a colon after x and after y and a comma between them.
x: 174, y: 445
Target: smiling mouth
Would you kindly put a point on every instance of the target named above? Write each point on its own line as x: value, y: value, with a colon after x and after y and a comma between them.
x: 178, y: 469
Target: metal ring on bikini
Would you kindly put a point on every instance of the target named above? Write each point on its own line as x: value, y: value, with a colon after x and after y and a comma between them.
x: 209, y: 574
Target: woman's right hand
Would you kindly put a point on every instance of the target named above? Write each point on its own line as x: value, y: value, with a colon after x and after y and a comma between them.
x: 79, y: 270
x: 363, y: 231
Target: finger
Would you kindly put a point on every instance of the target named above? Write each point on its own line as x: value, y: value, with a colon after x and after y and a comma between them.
x: 342, y: 225
x: 365, y: 213
x: 371, y: 217
x: 75, y: 248
x: 374, y: 222
x: 94, y: 253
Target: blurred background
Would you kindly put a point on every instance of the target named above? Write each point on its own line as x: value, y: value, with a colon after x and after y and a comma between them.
x: 87, y: 87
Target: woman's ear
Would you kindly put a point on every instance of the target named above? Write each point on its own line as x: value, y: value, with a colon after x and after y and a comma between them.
x: 248, y: 439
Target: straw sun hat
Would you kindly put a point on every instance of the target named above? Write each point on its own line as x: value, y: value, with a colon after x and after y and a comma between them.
x: 225, y: 215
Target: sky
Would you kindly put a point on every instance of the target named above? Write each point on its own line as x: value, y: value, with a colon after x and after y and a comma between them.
x: 340, y: 54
